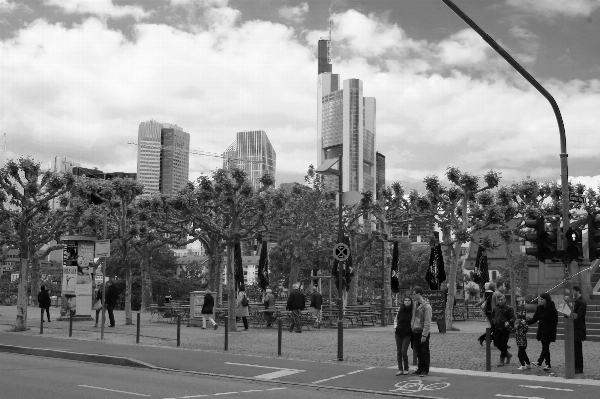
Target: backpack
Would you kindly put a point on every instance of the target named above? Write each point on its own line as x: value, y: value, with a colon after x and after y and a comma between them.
x: 244, y: 301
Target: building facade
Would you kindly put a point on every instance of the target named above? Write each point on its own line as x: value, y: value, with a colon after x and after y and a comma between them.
x: 252, y: 151
x: 163, y: 157
x: 379, y: 174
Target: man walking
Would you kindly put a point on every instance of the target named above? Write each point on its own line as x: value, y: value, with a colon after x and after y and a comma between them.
x: 112, y: 296
x: 503, y: 317
x: 579, y: 309
x: 269, y: 303
x: 316, y: 302
x: 421, y: 326
x: 296, y: 304
x: 44, y: 302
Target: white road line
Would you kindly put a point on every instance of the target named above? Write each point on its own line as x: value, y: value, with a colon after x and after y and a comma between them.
x: 264, y: 367
x: 274, y: 389
x: 188, y: 397
x: 224, y: 393
x: 354, y: 372
x: 327, y: 379
x: 541, y: 387
x: 277, y: 374
x: 113, y: 390
x: 519, y: 397
x: 252, y: 390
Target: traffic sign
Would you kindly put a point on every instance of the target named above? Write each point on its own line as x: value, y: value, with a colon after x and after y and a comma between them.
x: 102, y: 249
x: 341, y: 252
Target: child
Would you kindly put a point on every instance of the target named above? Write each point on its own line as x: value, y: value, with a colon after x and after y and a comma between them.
x: 521, y: 336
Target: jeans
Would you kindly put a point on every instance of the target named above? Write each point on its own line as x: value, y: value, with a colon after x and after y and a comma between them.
x: 98, y: 314
x: 545, y: 355
x: 402, y: 343
x: 523, y: 358
x: 501, y: 342
x: 422, y: 349
x: 47, y: 313
x: 295, y: 323
x: 111, y: 316
x: 578, y: 355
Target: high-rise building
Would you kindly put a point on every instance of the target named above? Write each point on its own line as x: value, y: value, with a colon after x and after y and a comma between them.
x: 379, y: 174
x: 251, y: 151
x: 163, y: 157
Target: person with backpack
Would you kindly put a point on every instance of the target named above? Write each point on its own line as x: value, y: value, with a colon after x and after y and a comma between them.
x: 44, y: 302
x: 207, y: 311
x: 547, y: 316
x: 241, y: 308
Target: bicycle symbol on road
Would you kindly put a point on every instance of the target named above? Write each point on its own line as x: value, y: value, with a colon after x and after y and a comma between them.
x: 418, y: 385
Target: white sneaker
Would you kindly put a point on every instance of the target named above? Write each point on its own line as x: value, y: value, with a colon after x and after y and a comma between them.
x: 547, y: 368
x: 204, y: 328
x: 400, y: 372
x: 522, y: 368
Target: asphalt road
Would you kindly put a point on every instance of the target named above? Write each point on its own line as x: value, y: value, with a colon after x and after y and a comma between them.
x: 32, y: 377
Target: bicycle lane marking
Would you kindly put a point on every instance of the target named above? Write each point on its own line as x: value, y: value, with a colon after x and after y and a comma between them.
x: 281, y: 371
x: 341, y: 375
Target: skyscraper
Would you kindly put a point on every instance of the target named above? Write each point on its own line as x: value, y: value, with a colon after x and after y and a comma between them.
x: 380, y: 174
x: 163, y: 157
x: 251, y: 151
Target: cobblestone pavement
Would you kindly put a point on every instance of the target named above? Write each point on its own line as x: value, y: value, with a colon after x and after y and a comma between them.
x: 371, y: 346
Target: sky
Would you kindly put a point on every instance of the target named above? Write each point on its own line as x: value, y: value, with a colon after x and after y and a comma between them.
x: 78, y: 76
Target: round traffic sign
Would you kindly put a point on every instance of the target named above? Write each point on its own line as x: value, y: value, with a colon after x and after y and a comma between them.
x: 341, y: 252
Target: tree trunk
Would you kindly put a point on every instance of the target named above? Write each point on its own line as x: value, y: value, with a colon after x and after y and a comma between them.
x: 219, y: 279
x: 352, y: 290
x: 230, y: 290
x: 511, y: 268
x: 21, y: 322
x: 448, y: 252
x: 294, y: 268
x: 128, y: 318
x: 36, y: 279
x: 146, y: 282
x: 387, y: 270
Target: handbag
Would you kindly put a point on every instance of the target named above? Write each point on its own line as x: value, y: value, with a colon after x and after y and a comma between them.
x: 98, y: 305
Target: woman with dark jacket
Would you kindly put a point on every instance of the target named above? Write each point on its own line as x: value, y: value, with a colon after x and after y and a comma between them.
x: 403, y: 333
x: 44, y: 301
x: 547, y: 316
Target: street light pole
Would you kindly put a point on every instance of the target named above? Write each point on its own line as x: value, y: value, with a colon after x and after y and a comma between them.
x: 382, y: 281
x: 340, y: 265
x: 564, y: 173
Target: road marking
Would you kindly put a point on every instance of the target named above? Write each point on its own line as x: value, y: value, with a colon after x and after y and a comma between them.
x: 113, y: 390
x: 519, y: 397
x: 327, y: 379
x: 281, y: 372
x: 540, y: 387
x: 354, y: 372
x: 264, y: 367
x: 224, y: 393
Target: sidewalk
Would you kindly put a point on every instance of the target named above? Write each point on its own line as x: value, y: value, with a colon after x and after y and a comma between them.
x: 368, y: 346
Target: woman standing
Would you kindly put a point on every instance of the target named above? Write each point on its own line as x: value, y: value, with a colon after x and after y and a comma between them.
x: 403, y: 333
x: 547, y: 316
x: 241, y: 308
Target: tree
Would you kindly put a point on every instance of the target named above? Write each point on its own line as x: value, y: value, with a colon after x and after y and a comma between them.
x: 25, y: 195
x: 452, y: 211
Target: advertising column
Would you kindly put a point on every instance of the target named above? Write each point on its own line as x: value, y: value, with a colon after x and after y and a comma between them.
x: 77, y: 279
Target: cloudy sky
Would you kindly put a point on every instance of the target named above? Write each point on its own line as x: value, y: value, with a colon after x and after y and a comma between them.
x: 78, y: 76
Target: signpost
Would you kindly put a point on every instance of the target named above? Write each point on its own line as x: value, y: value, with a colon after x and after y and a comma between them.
x: 341, y: 252
x: 102, y: 249
x: 437, y: 300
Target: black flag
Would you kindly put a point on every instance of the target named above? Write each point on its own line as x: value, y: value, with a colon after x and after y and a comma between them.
x: 239, y: 269
x: 395, y: 282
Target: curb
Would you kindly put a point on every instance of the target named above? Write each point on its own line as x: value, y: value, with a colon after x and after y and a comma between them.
x: 128, y: 362
x: 82, y: 357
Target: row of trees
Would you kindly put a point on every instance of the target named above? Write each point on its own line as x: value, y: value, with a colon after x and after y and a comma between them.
x: 223, y: 210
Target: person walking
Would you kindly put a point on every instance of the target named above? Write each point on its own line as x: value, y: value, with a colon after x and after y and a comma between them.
x: 403, y: 333
x: 521, y: 336
x: 241, y: 308
x: 296, y: 304
x: 547, y: 317
x: 269, y: 302
x: 44, y: 302
x: 421, y: 326
x: 579, y: 310
x: 486, y: 301
x: 503, y: 317
x: 112, y: 297
x: 207, y: 311
x: 316, y: 302
x: 98, y: 303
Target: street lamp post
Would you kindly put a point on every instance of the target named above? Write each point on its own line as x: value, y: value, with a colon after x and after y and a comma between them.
x: 383, y: 241
x: 325, y: 169
x: 564, y: 172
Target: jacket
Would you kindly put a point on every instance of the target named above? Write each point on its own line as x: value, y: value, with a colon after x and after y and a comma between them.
x: 421, y: 320
x: 521, y: 334
x: 580, y: 308
x: 501, y: 315
x: 209, y: 304
x: 98, y: 295
x: 44, y: 299
x: 296, y: 301
x: 403, y: 320
x: 316, y: 300
x: 241, y: 311
x: 112, y: 296
x: 547, y: 316
x: 488, y: 302
x: 269, y: 301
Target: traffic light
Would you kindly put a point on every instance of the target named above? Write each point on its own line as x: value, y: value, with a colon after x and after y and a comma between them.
x: 573, y: 245
x: 545, y: 241
x: 594, y: 236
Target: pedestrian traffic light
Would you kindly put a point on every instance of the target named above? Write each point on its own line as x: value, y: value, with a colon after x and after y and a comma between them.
x: 545, y: 241
x: 594, y: 235
x: 573, y: 246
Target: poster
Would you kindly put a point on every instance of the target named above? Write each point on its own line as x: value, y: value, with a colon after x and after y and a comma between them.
x: 78, y: 257
x: 198, y: 303
x: 69, y: 277
x: 437, y: 300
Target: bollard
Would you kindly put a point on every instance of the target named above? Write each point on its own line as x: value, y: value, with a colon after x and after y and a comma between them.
x: 488, y: 349
x: 226, y: 333
x: 42, y: 321
x: 178, y: 330
x: 279, y: 334
x: 70, y: 323
x: 340, y: 340
x: 137, y: 336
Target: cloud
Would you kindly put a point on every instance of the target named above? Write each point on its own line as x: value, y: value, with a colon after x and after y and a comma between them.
x: 101, y: 8
x: 294, y: 14
x: 7, y: 6
x: 463, y: 48
x: 553, y: 8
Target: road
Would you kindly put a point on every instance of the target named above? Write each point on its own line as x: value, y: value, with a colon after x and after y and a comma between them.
x: 32, y: 377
